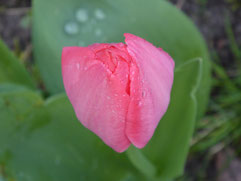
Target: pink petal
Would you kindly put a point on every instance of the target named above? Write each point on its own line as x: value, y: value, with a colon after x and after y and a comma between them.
x: 98, y: 95
x: 151, y: 74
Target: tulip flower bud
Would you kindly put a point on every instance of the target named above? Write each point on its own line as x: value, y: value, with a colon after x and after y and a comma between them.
x: 119, y: 91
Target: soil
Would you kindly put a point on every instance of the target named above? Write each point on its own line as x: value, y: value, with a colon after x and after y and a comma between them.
x: 11, y: 31
x: 210, y: 16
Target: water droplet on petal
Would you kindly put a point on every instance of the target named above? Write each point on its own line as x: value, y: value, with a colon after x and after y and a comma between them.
x: 140, y: 103
x: 81, y: 15
x: 143, y: 94
x: 99, y: 14
x: 71, y: 28
x: 78, y: 66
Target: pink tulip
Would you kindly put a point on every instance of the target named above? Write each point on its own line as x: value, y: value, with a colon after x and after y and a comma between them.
x: 119, y: 91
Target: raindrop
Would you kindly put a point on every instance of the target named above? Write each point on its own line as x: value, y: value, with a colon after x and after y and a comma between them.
x: 108, y: 97
x: 143, y: 94
x: 71, y: 28
x: 140, y: 103
x: 99, y: 14
x: 81, y: 43
x: 21, y: 174
x: 78, y: 66
x: 133, y: 19
x: 57, y: 160
x: 98, y: 32
x: 81, y: 15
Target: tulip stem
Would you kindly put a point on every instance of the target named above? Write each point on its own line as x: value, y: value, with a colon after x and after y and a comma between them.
x: 141, y: 162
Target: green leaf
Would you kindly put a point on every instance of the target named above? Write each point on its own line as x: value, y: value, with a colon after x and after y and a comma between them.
x: 169, y: 146
x: 44, y: 141
x: 63, y: 24
x: 48, y: 136
x: 11, y: 70
x: 141, y: 162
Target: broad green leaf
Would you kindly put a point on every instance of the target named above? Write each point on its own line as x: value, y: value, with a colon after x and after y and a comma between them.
x: 11, y: 70
x: 83, y: 22
x: 169, y: 146
x: 9, y: 87
x: 44, y: 141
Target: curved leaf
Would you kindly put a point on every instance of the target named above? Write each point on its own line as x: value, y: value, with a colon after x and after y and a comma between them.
x: 44, y: 141
x: 83, y: 22
x: 169, y: 146
x: 11, y: 70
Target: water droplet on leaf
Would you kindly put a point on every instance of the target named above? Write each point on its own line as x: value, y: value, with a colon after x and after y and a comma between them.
x: 81, y: 15
x: 98, y: 32
x: 81, y: 43
x: 99, y: 14
x: 140, y: 103
x: 71, y: 28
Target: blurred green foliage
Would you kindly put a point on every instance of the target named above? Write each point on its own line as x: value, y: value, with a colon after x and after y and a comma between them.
x: 48, y: 134
x: 221, y: 128
x: 11, y: 69
x: 80, y: 23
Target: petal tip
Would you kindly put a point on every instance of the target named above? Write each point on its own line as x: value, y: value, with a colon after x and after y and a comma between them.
x: 129, y: 36
x: 121, y: 150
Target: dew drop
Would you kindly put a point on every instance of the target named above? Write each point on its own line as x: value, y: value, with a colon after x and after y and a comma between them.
x: 71, y: 28
x: 78, y: 66
x: 99, y: 14
x: 143, y: 94
x: 139, y: 103
x: 108, y: 97
x: 57, y: 160
x: 81, y: 15
x: 98, y: 32
x: 21, y: 174
x: 133, y: 19
x: 81, y: 43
